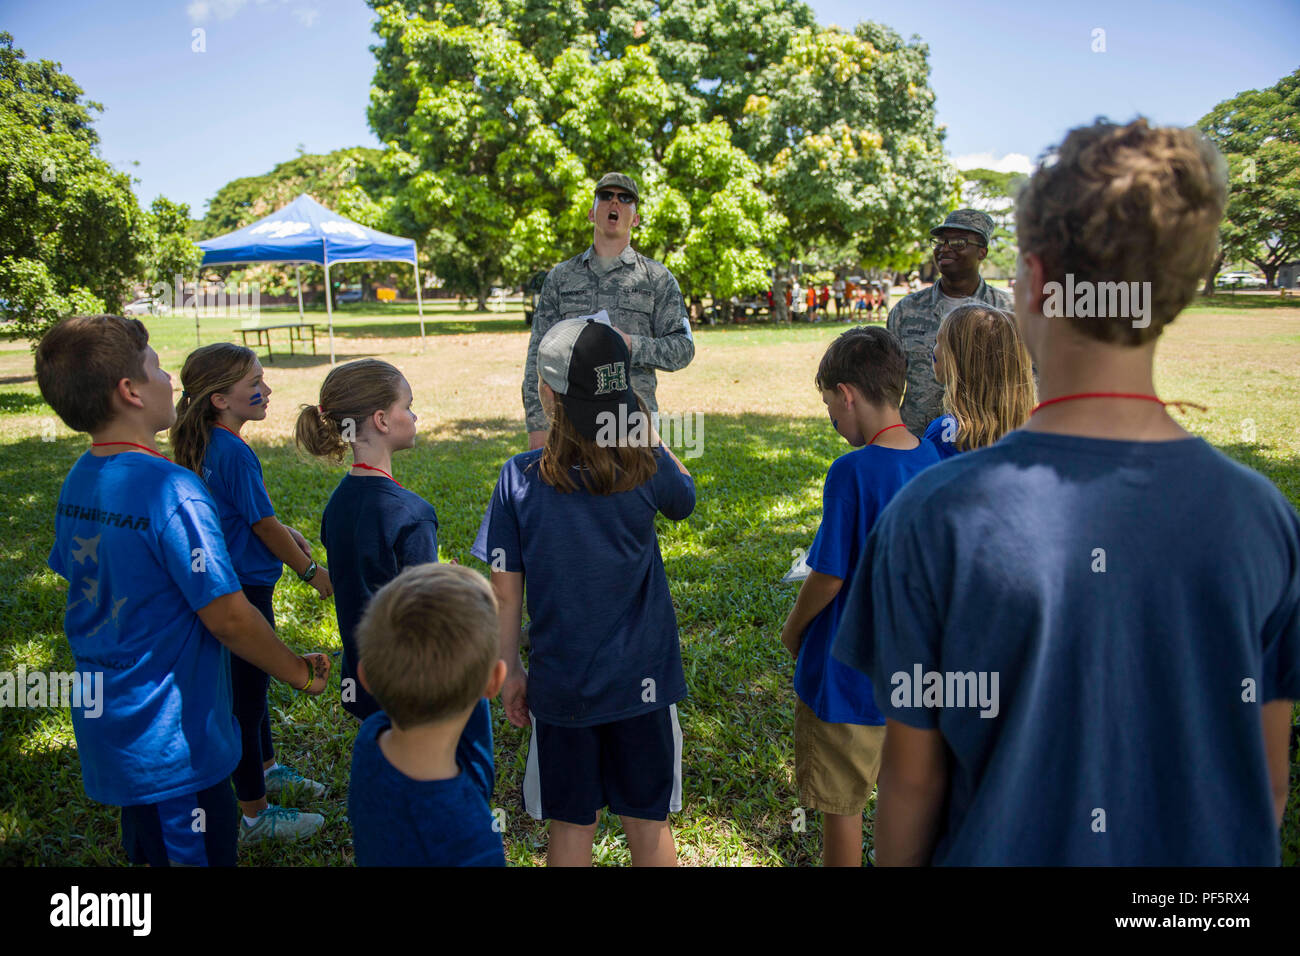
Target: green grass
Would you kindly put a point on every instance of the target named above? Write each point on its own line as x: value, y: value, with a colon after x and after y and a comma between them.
x: 758, y: 484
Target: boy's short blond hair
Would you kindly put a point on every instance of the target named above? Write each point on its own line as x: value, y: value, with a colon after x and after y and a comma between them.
x: 428, y: 640
x: 1127, y: 204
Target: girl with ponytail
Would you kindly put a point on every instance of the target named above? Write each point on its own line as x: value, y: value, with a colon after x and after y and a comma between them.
x: 372, y: 527
x: 223, y: 390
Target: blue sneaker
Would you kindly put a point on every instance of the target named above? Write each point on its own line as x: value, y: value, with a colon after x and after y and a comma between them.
x: 279, y: 823
x: 286, y: 778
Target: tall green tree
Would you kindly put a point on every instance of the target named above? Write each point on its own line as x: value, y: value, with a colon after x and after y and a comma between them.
x: 73, y: 238
x: 1258, y: 132
x: 713, y: 216
x: 846, y: 129
x: 994, y: 193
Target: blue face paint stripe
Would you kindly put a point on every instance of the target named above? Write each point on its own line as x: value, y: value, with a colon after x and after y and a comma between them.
x: 256, y: 399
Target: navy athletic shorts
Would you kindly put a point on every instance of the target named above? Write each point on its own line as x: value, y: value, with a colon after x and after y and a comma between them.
x: 632, y: 766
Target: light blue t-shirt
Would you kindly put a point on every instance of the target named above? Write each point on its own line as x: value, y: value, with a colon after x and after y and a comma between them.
x: 942, y: 433
x: 233, y: 474
x: 397, y: 821
x: 139, y: 542
x: 858, y: 486
x: 603, y: 642
x: 1135, y: 602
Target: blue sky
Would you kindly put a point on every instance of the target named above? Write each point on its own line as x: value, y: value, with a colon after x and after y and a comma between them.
x: 1009, y: 78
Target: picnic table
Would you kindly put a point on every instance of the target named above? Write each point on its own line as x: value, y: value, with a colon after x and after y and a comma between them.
x: 296, y: 333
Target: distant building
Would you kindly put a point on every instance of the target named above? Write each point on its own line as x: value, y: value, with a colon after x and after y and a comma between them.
x: 1288, y: 275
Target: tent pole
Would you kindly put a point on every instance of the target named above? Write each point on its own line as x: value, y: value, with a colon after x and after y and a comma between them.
x: 329, y: 307
x: 419, y: 299
x: 298, y: 276
x: 197, y: 341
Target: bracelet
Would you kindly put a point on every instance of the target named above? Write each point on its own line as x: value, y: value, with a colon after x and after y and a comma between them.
x: 311, y: 673
x: 309, y: 572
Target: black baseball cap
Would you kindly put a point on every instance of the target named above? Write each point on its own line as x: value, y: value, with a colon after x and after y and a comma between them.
x: 588, y: 366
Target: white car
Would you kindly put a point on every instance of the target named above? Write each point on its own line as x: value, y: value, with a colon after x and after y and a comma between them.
x: 1239, y: 280
x: 145, y: 306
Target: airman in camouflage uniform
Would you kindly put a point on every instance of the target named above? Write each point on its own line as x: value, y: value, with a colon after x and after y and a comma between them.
x: 915, y: 319
x: 642, y: 298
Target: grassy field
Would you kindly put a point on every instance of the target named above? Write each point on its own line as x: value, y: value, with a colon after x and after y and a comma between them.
x: 766, y: 445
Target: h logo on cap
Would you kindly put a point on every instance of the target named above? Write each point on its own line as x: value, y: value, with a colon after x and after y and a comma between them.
x: 611, y: 378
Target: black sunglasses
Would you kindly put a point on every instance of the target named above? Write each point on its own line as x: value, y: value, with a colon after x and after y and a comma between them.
x: 956, y: 245
x: 605, y: 195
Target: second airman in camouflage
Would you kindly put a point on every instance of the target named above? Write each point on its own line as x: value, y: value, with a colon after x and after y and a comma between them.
x: 961, y: 243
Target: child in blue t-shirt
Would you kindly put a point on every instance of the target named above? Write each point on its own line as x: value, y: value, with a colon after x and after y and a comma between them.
x: 1086, y: 638
x: 575, y: 520
x: 372, y: 527
x: 839, y: 733
x: 151, y: 585
x: 987, y: 379
x: 422, y: 769
x: 224, y: 389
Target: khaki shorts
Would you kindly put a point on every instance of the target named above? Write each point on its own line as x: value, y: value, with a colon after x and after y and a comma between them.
x: 835, y: 765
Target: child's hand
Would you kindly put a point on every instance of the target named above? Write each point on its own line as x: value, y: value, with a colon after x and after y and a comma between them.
x: 320, y: 669
x: 792, y: 641
x: 321, y: 581
x: 514, y: 696
x: 299, y: 540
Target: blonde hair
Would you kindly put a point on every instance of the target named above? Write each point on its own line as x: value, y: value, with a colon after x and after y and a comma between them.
x: 1126, y: 204
x: 606, y: 469
x: 351, y: 392
x: 428, y: 642
x: 210, y: 370
x: 987, y: 375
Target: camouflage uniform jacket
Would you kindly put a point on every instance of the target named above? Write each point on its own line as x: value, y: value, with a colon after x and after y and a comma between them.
x: 915, y: 320
x: 642, y: 299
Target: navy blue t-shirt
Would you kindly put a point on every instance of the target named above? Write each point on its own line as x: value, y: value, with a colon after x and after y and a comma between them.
x: 858, y: 486
x: 1136, y: 603
x: 372, y: 529
x: 233, y: 474
x: 139, y: 541
x: 942, y: 432
x: 397, y: 821
x: 603, y: 643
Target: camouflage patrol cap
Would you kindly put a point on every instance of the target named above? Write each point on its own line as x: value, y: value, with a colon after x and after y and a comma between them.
x: 972, y: 220
x: 620, y: 181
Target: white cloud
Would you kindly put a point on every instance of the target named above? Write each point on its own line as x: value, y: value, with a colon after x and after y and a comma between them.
x: 202, y: 10
x: 306, y: 15
x: 1010, y: 163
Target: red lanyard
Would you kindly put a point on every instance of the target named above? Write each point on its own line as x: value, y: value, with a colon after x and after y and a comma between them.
x: 233, y: 432
x: 357, y: 464
x: 882, y: 431
x: 1137, y: 395
x: 100, y: 444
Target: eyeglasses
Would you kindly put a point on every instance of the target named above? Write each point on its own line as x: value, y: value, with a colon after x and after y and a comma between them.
x: 956, y: 245
x: 605, y: 195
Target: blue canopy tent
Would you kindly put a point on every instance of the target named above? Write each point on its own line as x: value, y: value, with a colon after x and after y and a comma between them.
x: 306, y: 232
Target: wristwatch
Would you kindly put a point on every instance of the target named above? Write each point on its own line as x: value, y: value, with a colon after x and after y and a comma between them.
x: 310, y: 571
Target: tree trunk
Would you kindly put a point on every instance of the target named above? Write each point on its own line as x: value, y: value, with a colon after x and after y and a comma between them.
x: 1270, y: 272
x: 367, y: 294
x: 1209, y: 279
